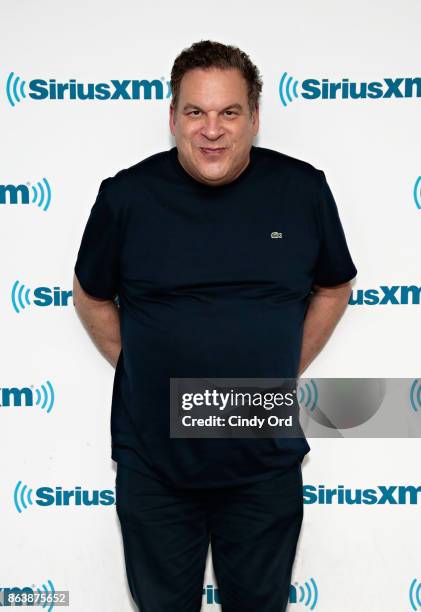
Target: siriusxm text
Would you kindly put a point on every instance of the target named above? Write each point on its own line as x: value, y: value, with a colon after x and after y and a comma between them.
x: 312, y: 89
x: 380, y: 495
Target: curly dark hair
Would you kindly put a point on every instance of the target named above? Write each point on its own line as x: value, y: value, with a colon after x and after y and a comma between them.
x: 211, y: 54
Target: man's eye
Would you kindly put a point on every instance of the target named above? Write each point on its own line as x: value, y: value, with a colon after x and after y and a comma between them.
x: 196, y: 113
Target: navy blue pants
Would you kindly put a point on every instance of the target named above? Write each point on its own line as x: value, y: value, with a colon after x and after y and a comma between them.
x: 253, y: 532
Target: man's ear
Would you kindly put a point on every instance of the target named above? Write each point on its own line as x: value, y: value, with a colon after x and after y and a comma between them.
x: 256, y: 119
x: 172, y: 114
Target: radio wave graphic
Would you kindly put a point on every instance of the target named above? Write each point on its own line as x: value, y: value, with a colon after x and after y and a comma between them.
x: 15, y: 86
x: 287, y: 88
x: 308, y: 395
x: 309, y: 594
x: 45, y: 591
x: 415, y: 594
x: 22, y: 497
x: 417, y: 193
x: 41, y: 194
x: 415, y: 395
x: 45, y: 397
x: 20, y: 296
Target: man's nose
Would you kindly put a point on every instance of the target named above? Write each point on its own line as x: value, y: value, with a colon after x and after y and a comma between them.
x: 212, y: 127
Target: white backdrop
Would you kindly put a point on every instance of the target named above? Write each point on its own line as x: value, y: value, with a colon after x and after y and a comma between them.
x: 358, y: 557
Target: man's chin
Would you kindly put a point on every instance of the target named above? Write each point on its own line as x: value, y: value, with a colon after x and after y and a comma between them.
x: 212, y: 171
x: 212, y: 177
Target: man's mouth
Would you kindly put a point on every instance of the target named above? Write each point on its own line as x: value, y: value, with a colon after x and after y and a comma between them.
x: 212, y: 151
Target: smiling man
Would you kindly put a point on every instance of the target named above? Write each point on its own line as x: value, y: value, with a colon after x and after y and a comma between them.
x: 219, y: 152
x: 228, y: 260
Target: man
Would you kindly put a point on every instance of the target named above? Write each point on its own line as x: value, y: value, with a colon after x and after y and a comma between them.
x: 228, y: 260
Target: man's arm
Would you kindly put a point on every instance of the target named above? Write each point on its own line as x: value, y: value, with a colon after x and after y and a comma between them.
x: 326, y: 307
x: 101, y: 320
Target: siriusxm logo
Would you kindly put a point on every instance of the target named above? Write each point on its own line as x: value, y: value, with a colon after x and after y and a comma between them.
x: 380, y: 495
x: 23, y: 497
x: 211, y: 594
x: 307, y: 395
x: 38, y: 194
x: 306, y: 594
x: 324, y: 89
x: 395, y: 294
x: 41, y: 89
x: 41, y: 397
x: 415, y: 594
x: 29, y: 595
x: 417, y: 193
x: 415, y: 395
x: 41, y: 296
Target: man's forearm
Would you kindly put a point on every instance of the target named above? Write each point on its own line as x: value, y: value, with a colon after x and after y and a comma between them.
x: 326, y: 307
x: 103, y: 326
x: 101, y: 319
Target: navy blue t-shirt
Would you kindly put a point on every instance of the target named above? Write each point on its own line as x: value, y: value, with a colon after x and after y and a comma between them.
x: 206, y: 290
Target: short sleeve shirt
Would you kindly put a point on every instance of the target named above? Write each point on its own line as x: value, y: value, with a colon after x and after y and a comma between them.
x: 211, y: 281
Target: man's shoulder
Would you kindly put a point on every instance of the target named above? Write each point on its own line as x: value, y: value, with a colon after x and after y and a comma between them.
x: 282, y: 162
x: 149, y: 168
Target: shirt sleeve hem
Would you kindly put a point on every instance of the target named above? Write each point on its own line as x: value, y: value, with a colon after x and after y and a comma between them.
x: 91, y: 289
x: 336, y: 279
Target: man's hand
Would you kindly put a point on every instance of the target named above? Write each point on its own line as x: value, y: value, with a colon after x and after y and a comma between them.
x: 101, y: 320
x: 326, y: 307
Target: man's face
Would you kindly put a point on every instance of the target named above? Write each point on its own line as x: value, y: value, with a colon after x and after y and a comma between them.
x: 212, y: 126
